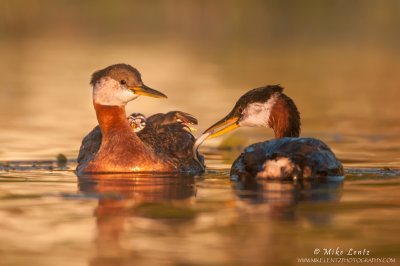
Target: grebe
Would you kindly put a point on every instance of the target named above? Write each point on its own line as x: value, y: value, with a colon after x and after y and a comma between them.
x: 166, y: 133
x: 287, y: 156
x: 121, y: 149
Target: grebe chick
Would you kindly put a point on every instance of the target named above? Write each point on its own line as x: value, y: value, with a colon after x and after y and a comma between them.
x: 287, y: 156
x: 137, y: 121
x: 121, y: 149
x: 166, y: 133
x: 170, y: 134
x: 173, y: 117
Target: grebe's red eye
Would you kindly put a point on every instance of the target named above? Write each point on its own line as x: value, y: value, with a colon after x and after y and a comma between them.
x: 123, y: 82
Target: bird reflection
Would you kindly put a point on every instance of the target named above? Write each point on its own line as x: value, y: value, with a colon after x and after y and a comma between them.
x: 141, y: 187
x: 278, y: 197
x: 120, y: 195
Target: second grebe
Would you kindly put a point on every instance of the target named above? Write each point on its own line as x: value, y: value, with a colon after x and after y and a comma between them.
x: 121, y: 149
x: 287, y: 156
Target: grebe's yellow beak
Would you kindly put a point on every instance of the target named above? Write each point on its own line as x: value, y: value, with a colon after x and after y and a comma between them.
x: 146, y: 91
x: 230, y: 120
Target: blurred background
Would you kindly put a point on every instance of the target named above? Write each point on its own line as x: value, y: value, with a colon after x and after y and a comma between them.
x: 338, y: 60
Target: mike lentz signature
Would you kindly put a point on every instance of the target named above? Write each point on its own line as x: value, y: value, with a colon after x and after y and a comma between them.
x: 346, y: 255
x: 340, y: 252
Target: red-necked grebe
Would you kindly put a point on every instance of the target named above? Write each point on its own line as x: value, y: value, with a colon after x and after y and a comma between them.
x: 121, y: 149
x: 286, y: 156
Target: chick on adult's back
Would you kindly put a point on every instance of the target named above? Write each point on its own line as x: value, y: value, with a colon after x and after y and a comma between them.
x: 167, y: 134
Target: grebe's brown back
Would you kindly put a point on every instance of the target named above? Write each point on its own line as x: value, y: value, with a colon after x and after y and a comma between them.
x: 287, y: 156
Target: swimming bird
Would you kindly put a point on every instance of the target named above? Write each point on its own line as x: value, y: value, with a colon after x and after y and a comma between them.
x: 286, y: 156
x: 166, y: 133
x: 121, y: 148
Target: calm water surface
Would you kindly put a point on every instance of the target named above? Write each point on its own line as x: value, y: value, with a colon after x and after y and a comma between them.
x: 51, y: 217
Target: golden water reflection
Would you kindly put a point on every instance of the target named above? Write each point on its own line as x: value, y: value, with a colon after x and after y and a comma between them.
x: 124, y: 206
x: 51, y: 216
x: 144, y: 217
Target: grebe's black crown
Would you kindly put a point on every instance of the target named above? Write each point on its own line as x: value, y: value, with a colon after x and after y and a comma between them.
x: 261, y: 94
x: 117, y: 72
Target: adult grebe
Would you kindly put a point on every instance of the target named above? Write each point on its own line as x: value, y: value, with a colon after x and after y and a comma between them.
x: 121, y: 149
x: 287, y: 156
x: 166, y: 133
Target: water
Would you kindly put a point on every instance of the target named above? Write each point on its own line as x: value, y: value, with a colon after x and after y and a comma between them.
x: 342, y: 74
x: 49, y: 217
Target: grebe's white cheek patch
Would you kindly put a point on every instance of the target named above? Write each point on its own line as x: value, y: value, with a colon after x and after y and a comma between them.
x: 257, y: 114
x: 278, y: 168
x: 125, y: 95
x: 108, y: 91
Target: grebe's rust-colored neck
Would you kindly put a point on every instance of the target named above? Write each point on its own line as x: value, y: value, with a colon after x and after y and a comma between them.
x: 111, y: 118
x: 284, y: 118
x: 121, y: 149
